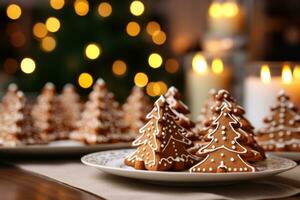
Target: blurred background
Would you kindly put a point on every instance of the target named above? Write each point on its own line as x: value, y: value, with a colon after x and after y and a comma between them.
x: 193, y: 45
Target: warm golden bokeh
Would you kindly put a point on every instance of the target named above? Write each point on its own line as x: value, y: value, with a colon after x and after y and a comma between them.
x: 171, y: 65
x: 155, y: 60
x: 140, y: 79
x: 48, y: 44
x: 104, y: 9
x: 57, y: 4
x: 199, y: 64
x: 119, y: 67
x: 133, y: 29
x: 52, y: 24
x: 39, y: 30
x: 27, y: 65
x: 137, y: 8
x: 85, y: 80
x: 81, y: 7
x: 296, y: 73
x: 217, y: 66
x: 18, y: 39
x: 156, y: 88
x: 152, y: 27
x: 92, y: 51
x: 159, y: 37
x: 13, y: 11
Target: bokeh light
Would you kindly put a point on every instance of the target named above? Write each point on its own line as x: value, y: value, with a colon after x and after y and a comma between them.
x: 140, y: 79
x: 119, y: 67
x: 296, y: 73
x: 10, y: 66
x: 171, y: 65
x: 57, y: 4
x: 137, y: 8
x: 81, y: 7
x: 159, y: 37
x: 199, y: 64
x: 52, y: 24
x: 17, y: 39
x: 92, y: 51
x: 155, y: 60
x: 85, y: 80
x: 217, y: 66
x: 27, y: 65
x: 39, y: 30
x: 104, y: 9
x: 48, y: 44
x: 152, y: 27
x: 230, y: 9
x: 14, y: 11
x: 133, y: 29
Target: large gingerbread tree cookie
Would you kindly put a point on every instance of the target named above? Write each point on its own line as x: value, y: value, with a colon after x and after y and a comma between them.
x: 282, y: 130
x: 162, y: 144
x: 229, y: 147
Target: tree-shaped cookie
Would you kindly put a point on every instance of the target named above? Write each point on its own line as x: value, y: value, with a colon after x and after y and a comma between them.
x: 282, y: 130
x: 44, y: 113
x: 69, y: 107
x: 181, y: 111
x: 162, y: 144
x: 135, y: 110
x: 94, y: 124
x: 228, y: 148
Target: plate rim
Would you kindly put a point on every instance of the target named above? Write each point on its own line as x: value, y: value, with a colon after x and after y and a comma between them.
x: 275, y: 171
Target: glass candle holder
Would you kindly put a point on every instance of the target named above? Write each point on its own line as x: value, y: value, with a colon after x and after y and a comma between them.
x: 263, y: 82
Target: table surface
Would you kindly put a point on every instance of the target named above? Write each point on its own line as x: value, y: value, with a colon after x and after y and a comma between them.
x: 16, y: 184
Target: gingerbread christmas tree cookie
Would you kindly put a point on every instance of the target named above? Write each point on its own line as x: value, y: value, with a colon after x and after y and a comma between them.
x: 162, y: 144
x: 135, y: 110
x: 282, y: 130
x: 229, y: 147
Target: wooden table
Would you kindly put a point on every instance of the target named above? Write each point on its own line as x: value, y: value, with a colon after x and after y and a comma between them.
x: 18, y: 184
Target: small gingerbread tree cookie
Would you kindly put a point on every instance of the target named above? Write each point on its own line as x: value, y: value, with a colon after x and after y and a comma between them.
x: 44, y: 113
x: 162, y: 144
x: 228, y: 148
x: 282, y: 130
x: 135, y: 110
x: 173, y: 97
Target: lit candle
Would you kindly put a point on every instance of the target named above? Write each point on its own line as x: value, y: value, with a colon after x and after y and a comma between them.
x: 200, y: 79
x: 261, y: 92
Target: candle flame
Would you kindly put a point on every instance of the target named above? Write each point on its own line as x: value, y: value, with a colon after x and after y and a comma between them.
x: 227, y: 9
x: 217, y: 66
x: 215, y: 10
x: 199, y: 64
x: 286, y: 74
x: 296, y: 73
x: 230, y: 9
x: 265, y: 74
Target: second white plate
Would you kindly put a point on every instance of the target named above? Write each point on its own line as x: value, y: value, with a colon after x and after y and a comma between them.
x: 290, y: 155
x: 112, y: 162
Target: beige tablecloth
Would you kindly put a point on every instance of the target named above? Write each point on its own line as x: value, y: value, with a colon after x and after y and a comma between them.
x: 89, y: 179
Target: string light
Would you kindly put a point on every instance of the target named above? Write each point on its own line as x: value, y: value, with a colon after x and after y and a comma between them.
x: 81, y: 7
x: 171, y: 65
x: 10, y: 66
x: 119, y: 67
x: 52, y: 24
x: 156, y: 88
x: 13, y: 11
x: 85, y: 80
x: 155, y: 60
x: 152, y: 27
x: 159, y: 37
x: 48, y: 44
x: 162, y: 87
x: 104, y: 9
x: 39, y: 30
x: 137, y: 8
x: 140, y: 79
x: 57, y: 4
x: 133, y: 29
x: 92, y: 51
x: 27, y: 65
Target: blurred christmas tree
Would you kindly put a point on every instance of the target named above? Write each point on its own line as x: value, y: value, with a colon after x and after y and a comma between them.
x: 79, y: 41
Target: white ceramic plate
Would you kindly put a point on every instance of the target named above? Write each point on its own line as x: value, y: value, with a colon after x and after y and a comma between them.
x: 290, y: 155
x: 112, y: 162
x: 63, y: 147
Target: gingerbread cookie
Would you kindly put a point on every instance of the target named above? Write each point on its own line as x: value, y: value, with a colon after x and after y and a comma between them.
x: 229, y: 147
x: 162, y: 145
x: 282, y: 130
